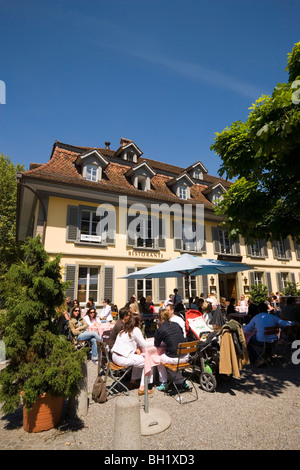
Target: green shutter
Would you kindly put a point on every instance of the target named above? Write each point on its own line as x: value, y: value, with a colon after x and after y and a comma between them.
x: 72, y: 223
x: 204, y: 285
x: 108, y: 283
x: 161, y: 289
x: 268, y: 281
x: 216, y: 242
x: 70, y: 275
x: 130, y: 284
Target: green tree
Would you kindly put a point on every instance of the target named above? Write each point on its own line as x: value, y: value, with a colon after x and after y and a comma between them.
x: 9, y: 249
x: 40, y: 360
x: 263, y: 153
x: 258, y: 293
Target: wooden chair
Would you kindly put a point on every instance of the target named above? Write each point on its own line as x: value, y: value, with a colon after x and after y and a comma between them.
x: 172, y: 369
x: 268, y: 347
x: 113, y: 371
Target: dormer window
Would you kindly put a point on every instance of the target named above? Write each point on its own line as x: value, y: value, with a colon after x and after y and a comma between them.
x: 91, y: 172
x: 131, y: 157
x: 140, y: 176
x: 182, y: 192
x: 92, y: 165
x: 198, y: 175
x: 142, y: 183
x: 197, y: 171
x: 128, y: 151
x: 215, y: 192
x: 181, y: 186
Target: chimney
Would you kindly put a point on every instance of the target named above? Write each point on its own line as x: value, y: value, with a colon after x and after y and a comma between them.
x: 107, y: 145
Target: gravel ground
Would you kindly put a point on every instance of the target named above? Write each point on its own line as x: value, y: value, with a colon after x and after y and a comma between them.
x: 258, y: 411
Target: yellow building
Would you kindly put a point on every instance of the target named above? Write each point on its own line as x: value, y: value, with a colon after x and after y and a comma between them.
x: 113, y: 212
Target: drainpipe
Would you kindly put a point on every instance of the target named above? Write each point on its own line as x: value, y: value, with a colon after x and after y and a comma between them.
x: 19, y: 177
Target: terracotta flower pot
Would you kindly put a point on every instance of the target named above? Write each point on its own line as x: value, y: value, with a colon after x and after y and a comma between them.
x: 45, y: 414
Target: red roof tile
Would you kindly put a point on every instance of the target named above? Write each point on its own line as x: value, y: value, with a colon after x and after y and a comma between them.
x: 61, y: 169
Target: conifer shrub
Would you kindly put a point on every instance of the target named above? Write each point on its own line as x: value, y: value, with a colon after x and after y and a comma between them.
x: 40, y: 360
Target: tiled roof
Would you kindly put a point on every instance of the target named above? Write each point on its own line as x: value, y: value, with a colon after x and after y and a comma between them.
x: 61, y: 169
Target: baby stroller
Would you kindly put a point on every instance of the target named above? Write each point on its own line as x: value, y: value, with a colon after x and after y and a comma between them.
x: 206, y: 359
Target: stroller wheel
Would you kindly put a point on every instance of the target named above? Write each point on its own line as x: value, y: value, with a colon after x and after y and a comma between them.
x: 207, y: 381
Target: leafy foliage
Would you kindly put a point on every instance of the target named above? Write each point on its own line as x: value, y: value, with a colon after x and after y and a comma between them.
x: 8, y: 204
x: 258, y: 293
x: 290, y: 289
x: 264, y: 155
x: 40, y: 360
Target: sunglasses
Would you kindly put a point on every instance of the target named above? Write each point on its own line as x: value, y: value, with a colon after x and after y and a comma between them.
x: 77, y: 310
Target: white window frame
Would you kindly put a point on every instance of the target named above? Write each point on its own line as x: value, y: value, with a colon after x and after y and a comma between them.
x: 225, y: 242
x: 194, y: 291
x: 91, y: 172
x: 88, y: 282
x: 149, y: 241
x: 94, y: 238
x: 258, y: 277
x: 145, y: 289
x: 182, y: 192
x: 284, y: 279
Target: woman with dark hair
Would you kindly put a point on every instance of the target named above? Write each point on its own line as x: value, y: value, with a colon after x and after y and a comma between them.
x: 126, y: 351
x: 91, y: 317
x: 170, y: 334
x: 78, y: 327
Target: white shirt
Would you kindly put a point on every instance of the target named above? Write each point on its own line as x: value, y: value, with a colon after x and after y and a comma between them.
x: 243, y: 304
x: 89, y: 322
x: 106, y: 312
x: 124, y: 345
x: 180, y: 322
x: 168, y: 301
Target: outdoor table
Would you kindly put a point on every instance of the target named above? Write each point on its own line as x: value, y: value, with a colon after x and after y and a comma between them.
x: 101, y: 327
x: 237, y: 316
x: 152, y: 357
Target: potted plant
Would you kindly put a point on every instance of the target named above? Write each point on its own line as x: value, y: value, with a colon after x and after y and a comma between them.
x: 42, y: 364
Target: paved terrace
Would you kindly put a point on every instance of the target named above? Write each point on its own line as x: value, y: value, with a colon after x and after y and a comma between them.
x: 260, y: 410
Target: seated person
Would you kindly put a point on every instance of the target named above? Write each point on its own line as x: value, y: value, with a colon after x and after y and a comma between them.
x: 78, y: 327
x: 179, y: 307
x: 169, y: 334
x: 252, y: 308
x: 90, y: 303
x: 106, y: 311
x: 290, y: 311
x: 126, y: 351
x: 259, y: 323
x: 243, y: 304
x: 231, y: 308
x: 124, y: 315
x: 223, y: 305
x: 175, y: 318
x: 91, y: 317
x: 207, y: 311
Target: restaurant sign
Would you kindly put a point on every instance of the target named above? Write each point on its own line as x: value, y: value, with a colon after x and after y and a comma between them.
x: 145, y: 254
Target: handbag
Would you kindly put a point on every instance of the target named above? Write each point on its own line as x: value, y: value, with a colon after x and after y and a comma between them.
x: 99, y: 394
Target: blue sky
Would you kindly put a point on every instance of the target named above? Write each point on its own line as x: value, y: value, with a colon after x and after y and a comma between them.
x: 167, y: 74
